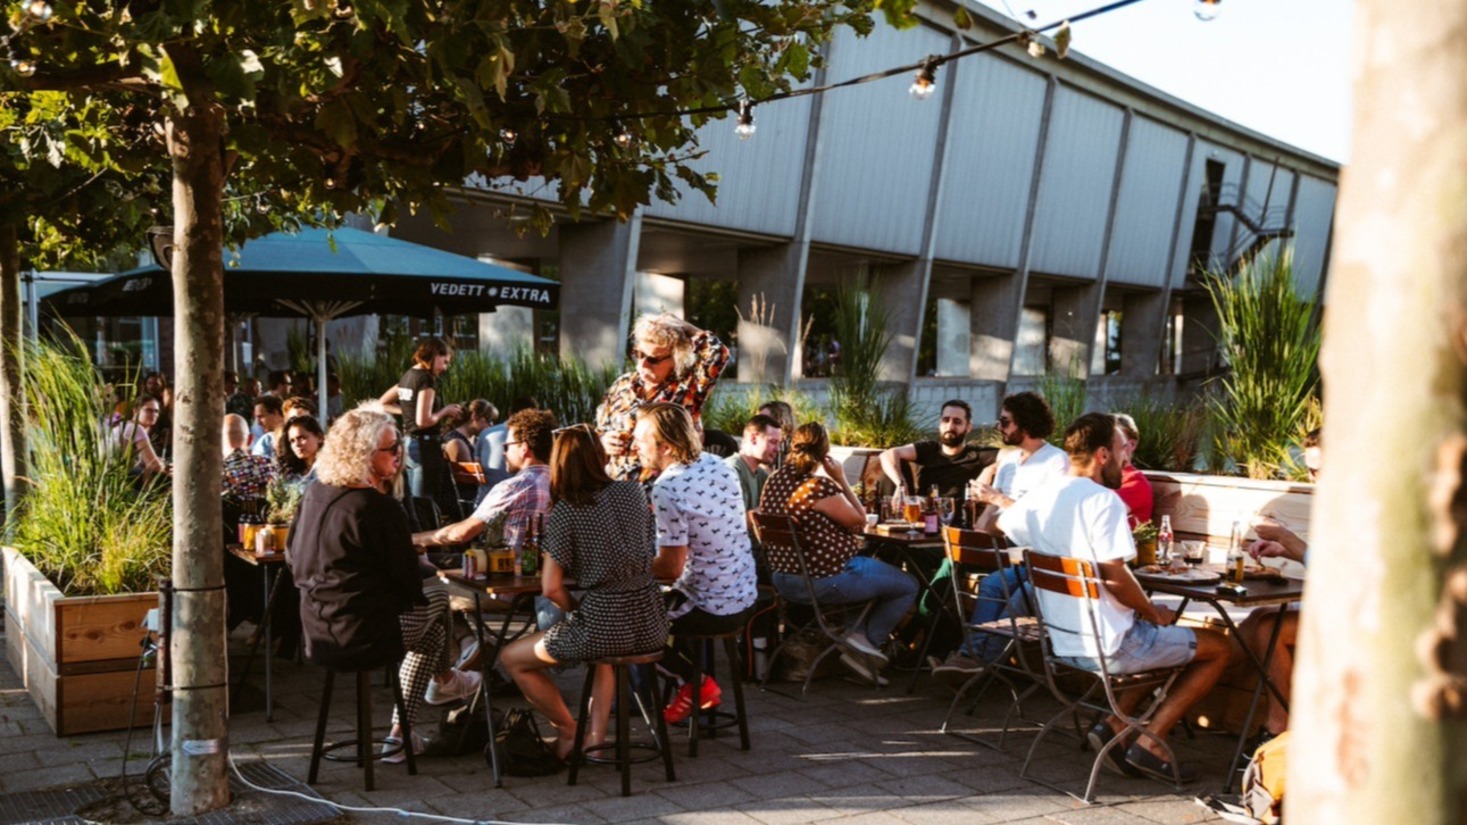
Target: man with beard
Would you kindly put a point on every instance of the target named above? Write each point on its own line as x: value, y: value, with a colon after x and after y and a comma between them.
x: 948, y: 463
x: 1024, y: 421
x: 1079, y: 515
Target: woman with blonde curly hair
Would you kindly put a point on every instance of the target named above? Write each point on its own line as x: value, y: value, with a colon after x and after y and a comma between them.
x: 364, y: 600
x: 676, y: 363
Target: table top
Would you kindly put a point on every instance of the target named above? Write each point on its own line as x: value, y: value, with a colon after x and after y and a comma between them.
x: 1261, y: 592
x: 493, y: 584
x: 921, y: 540
x: 239, y: 551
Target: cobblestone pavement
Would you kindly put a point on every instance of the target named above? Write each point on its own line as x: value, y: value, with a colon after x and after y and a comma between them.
x: 846, y: 752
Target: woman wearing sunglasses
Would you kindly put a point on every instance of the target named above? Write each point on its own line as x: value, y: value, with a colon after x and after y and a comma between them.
x: 676, y: 363
x: 364, y: 601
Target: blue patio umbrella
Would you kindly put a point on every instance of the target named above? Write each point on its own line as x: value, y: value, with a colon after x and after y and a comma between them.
x: 326, y: 274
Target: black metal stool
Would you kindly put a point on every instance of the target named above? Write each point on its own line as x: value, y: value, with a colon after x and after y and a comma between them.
x: 719, y: 719
x: 623, y: 745
x: 365, y: 757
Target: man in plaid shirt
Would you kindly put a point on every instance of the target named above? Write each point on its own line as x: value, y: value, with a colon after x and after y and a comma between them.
x: 519, y: 498
x: 245, y: 475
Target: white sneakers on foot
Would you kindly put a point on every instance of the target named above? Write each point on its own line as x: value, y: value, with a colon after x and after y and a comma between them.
x: 863, y: 667
x: 419, y: 745
x: 857, y: 640
x: 461, y: 684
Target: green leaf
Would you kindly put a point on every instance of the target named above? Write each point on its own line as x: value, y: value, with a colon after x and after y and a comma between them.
x: 336, y: 120
x: 962, y: 19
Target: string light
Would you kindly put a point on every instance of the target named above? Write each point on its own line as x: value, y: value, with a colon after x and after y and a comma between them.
x: 508, y: 136
x: 1206, y: 10
x: 39, y: 10
x: 22, y: 67
x: 745, y: 128
x: 926, y: 81
x: 624, y: 138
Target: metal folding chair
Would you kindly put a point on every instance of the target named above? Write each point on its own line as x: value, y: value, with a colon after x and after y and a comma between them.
x: 778, y: 531
x: 1055, y: 580
x: 983, y: 554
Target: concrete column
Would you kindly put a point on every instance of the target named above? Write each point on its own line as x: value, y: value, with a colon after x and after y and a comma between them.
x: 771, y: 280
x: 902, y: 289
x: 953, y: 337
x: 506, y: 328
x: 1075, y: 312
x: 655, y: 294
x: 993, y: 321
x: 1199, y: 333
x: 1143, y: 323
x: 597, y: 271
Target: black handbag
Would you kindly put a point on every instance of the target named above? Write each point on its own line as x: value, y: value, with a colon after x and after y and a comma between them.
x: 522, y: 751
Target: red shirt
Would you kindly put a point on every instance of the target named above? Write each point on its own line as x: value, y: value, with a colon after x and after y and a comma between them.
x: 1136, y: 492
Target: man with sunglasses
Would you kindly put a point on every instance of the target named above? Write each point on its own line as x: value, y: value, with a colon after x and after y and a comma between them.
x: 519, y: 498
x: 1024, y: 422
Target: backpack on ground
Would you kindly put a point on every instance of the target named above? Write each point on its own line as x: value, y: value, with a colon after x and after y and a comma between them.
x: 522, y: 750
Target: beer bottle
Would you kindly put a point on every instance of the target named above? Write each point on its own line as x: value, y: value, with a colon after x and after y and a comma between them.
x: 531, y: 552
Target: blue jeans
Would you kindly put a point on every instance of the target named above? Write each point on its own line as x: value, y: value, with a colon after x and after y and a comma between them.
x: 863, y: 579
x: 986, y: 646
x: 412, y: 467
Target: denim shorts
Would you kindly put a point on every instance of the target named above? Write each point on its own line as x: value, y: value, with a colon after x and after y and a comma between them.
x: 1145, y: 647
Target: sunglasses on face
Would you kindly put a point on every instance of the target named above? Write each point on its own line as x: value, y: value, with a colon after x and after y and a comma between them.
x: 395, y: 446
x: 652, y: 360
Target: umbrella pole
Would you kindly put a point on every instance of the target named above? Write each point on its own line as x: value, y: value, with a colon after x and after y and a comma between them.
x: 321, y: 390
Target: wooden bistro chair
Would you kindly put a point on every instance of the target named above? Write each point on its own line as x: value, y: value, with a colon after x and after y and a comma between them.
x: 778, y: 531
x: 975, y: 555
x: 1071, y: 588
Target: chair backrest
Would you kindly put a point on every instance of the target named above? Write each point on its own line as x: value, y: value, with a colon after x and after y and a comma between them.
x: 982, y: 552
x: 1069, y: 578
x: 781, y: 530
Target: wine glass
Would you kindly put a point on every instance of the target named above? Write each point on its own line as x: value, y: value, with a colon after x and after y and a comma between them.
x: 912, y: 512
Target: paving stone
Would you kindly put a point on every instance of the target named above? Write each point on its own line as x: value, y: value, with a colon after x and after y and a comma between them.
x: 1170, y: 811
x: 640, y: 805
x: 924, y: 788
x: 788, y: 811
x: 560, y: 813
x: 950, y: 812
x: 706, y: 795
x: 845, y: 773
x: 1020, y: 804
x: 780, y: 785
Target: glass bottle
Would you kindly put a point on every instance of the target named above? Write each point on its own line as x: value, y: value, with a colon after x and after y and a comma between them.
x: 1164, y: 539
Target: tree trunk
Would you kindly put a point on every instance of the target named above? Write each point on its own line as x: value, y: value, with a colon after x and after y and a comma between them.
x: 1379, y: 688
x: 200, y: 669
x: 13, y: 464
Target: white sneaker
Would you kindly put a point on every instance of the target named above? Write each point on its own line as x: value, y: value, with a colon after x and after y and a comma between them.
x: 419, y: 745
x: 858, y: 641
x: 462, y: 684
x: 467, y: 650
x: 863, y: 667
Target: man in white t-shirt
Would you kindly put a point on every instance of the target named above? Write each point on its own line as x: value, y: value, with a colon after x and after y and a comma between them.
x: 1024, y: 422
x: 702, y: 543
x: 1080, y: 516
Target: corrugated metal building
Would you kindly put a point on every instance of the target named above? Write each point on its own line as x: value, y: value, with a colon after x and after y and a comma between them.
x: 1032, y: 208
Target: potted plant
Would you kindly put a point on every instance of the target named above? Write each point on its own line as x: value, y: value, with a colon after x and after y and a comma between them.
x: 1145, y: 535
x: 87, y: 547
x: 282, y: 500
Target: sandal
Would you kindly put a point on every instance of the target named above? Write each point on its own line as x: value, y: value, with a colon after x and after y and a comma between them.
x: 1115, y: 758
x: 1157, y: 768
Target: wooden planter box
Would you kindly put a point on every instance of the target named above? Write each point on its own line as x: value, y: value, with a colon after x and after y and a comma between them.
x: 77, y: 655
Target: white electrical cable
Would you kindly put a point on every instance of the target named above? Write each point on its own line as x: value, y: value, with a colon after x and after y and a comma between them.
x: 360, y: 810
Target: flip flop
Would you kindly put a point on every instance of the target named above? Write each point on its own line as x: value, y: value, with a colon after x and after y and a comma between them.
x: 1157, y: 768
x: 1115, y: 758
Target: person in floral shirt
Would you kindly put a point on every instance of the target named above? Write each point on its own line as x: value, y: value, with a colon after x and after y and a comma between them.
x: 677, y: 363
x: 245, y: 476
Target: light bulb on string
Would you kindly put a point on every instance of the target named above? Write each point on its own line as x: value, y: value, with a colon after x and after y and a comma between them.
x: 1206, y: 10
x: 624, y: 139
x: 925, y: 83
x: 39, y: 10
x: 745, y: 127
x: 22, y: 66
x: 508, y: 136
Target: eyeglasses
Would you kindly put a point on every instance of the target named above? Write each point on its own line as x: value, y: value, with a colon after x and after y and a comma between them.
x: 509, y: 444
x: 651, y: 360
x: 395, y: 446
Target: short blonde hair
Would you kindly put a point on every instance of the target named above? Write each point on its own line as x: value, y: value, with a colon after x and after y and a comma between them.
x: 675, y: 428
x: 666, y: 331
x: 346, y: 457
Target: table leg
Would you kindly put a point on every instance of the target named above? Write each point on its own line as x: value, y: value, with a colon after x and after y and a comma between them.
x: 271, y: 591
x: 1273, y: 639
x: 269, y: 647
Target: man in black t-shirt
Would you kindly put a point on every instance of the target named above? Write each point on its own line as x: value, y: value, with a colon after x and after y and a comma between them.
x: 949, y: 462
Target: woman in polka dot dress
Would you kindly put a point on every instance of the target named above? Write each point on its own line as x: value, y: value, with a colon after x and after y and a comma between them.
x: 828, y: 519
x: 601, y: 535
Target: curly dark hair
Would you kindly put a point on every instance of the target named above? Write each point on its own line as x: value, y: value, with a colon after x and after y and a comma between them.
x: 536, y: 429
x: 286, y: 460
x: 1031, y: 412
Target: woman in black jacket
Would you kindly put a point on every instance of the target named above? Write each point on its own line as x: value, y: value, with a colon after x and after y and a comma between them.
x: 364, y: 601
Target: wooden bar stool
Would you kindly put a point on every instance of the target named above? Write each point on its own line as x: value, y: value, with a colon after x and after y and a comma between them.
x: 622, y: 744
x: 365, y: 747
x: 719, y: 719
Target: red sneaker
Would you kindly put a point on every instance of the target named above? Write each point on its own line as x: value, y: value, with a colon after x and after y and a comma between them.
x: 681, y: 706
